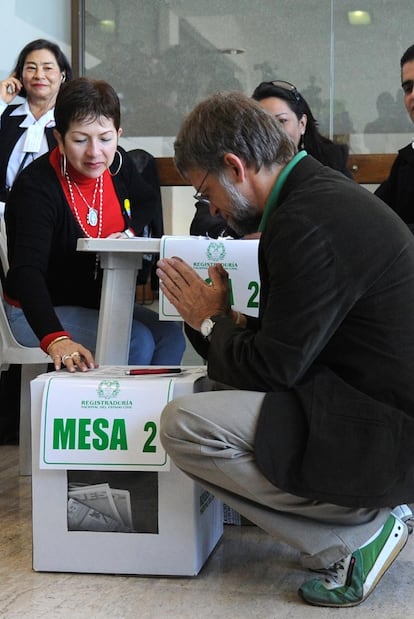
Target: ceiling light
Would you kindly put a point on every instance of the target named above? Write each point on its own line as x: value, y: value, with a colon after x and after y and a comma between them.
x: 107, y: 25
x: 359, y: 18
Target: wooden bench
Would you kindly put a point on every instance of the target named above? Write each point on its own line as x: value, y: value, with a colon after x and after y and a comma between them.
x: 371, y: 169
x: 366, y: 169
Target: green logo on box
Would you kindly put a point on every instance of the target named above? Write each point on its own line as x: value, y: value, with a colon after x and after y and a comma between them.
x: 216, y: 251
x: 108, y: 389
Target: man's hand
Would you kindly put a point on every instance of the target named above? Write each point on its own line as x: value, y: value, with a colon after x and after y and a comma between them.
x: 192, y: 297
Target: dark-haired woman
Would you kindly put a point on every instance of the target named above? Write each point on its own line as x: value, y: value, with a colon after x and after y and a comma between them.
x: 26, y: 132
x: 26, y: 129
x: 89, y: 187
x: 285, y: 102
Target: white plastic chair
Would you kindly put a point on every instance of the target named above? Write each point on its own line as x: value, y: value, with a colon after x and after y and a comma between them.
x: 33, y: 362
x: 3, y: 246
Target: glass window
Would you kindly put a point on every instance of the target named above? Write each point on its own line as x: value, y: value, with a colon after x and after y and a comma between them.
x: 163, y: 56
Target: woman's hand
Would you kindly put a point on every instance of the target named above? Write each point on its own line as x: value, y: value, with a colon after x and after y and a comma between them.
x: 70, y: 355
x: 10, y: 88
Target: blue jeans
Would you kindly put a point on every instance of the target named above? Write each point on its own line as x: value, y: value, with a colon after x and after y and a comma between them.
x: 153, y: 342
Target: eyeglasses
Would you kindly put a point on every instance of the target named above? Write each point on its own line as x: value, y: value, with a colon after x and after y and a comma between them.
x: 199, y: 196
x: 407, y: 86
x: 284, y: 86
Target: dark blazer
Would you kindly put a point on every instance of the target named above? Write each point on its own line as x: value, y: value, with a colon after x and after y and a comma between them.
x: 10, y: 132
x: 398, y: 190
x: 333, y: 347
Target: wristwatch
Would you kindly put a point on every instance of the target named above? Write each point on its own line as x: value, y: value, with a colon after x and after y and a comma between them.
x: 207, y: 325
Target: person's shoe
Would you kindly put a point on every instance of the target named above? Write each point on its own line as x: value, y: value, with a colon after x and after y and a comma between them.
x: 351, y: 580
x: 404, y: 513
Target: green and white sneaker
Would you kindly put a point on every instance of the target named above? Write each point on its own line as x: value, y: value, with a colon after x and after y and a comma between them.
x: 351, y: 580
x: 404, y: 513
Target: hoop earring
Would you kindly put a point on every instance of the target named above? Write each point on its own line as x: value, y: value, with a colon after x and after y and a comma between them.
x: 119, y: 166
x: 63, y: 165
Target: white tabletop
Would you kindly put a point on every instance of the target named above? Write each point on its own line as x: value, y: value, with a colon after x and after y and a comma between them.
x: 120, y: 260
x: 120, y: 246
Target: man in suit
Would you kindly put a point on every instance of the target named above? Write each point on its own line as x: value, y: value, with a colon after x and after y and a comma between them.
x: 309, y: 426
x: 398, y: 190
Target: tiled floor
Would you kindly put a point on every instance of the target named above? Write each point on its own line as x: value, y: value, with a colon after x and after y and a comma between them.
x: 248, y: 575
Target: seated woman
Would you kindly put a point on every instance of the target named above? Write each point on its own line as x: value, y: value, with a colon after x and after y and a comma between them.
x: 284, y: 101
x: 86, y: 187
x: 26, y: 128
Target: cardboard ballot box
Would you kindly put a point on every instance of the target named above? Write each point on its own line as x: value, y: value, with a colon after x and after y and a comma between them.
x: 106, y: 498
x: 238, y: 257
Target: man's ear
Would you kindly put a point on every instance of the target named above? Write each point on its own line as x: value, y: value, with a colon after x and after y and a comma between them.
x: 235, y: 167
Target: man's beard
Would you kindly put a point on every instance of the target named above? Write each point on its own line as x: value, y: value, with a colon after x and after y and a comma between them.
x: 245, y: 216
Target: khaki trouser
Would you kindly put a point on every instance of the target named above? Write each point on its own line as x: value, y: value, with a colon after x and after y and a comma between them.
x: 210, y: 436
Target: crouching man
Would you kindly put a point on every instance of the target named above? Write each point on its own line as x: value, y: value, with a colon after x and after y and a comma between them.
x: 309, y: 431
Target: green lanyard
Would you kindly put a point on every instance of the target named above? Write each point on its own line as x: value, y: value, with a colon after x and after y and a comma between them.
x: 277, y: 188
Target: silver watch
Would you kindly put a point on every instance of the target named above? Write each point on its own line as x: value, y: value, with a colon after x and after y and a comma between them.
x: 207, y: 327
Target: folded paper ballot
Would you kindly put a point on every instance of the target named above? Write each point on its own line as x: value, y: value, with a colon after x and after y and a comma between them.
x: 99, y: 508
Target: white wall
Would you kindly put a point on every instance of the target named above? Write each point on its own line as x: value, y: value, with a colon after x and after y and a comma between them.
x: 23, y: 21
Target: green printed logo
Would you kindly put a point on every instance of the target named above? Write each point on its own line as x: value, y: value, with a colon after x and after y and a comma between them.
x: 108, y: 389
x: 216, y: 251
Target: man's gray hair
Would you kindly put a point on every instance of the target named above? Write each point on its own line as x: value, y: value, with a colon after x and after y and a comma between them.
x: 231, y: 123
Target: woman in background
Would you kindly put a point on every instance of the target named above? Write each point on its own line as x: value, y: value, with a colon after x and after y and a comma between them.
x: 26, y: 129
x: 284, y: 101
x: 26, y: 132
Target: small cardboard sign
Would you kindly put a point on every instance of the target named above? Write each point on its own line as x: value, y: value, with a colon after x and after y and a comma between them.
x: 103, y: 424
x: 238, y: 257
